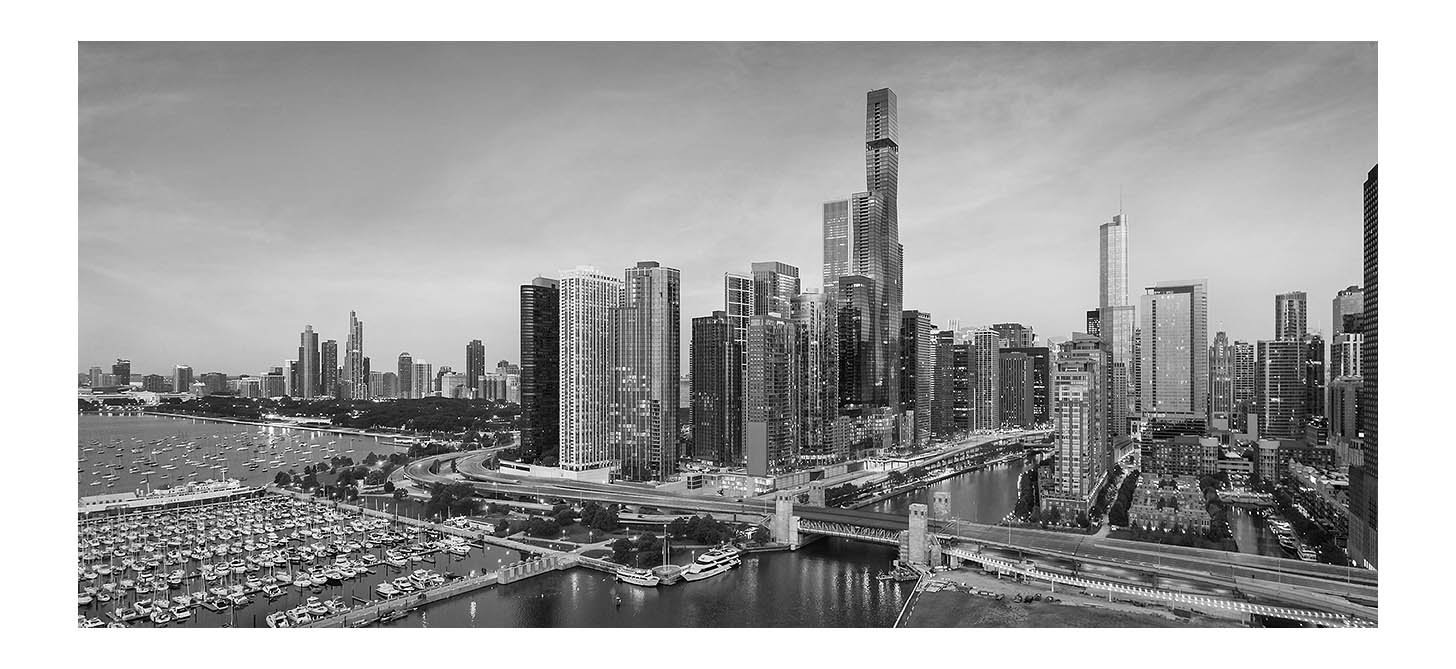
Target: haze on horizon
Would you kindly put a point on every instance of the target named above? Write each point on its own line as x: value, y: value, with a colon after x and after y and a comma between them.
x: 232, y: 193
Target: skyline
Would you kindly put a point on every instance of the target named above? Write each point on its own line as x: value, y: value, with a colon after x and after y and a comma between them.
x: 331, y: 243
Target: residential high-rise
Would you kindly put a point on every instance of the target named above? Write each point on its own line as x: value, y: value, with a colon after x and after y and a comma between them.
x: 1079, y: 417
x: 122, y: 371
x: 182, y: 379
x: 154, y: 383
x: 407, y: 376
x: 390, y: 385
x: 1291, y: 316
x: 1112, y: 284
x: 987, y: 374
x: 857, y: 343
x: 356, y: 376
x: 838, y: 243
x: 1280, y: 381
x: 474, y: 366
x: 774, y: 285
x: 588, y: 300
x: 329, y: 368
x: 917, y: 372
x: 422, y: 379
x: 816, y: 377
x: 717, y: 391
x: 1243, y: 380
x: 290, y: 375
x: 1040, y: 360
x: 1347, y: 302
x: 1116, y: 325
x: 1364, y: 478
x: 738, y: 302
x: 1015, y: 335
x: 648, y: 363
x: 308, y: 363
x: 1094, y: 322
x: 1017, y: 386
x: 1175, y: 357
x: 540, y: 369
x: 1220, y: 378
x: 214, y: 382
x: 771, y: 437
x: 1347, y: 320
x: 942, y: 415
x: 376, y: 383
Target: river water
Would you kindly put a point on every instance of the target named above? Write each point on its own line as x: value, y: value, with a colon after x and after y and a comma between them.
x: 829, y: 583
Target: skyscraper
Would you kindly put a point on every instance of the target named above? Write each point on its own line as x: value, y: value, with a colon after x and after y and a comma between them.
x: 942, y: 415
x: 1291, y: 316
x: 1116, y: 325
x: 1347, y: 302
x: 474, y: 366
x: 1220, y: 378
x: 838, y: 240
x: 771, y: 438
x: 917, y: 371
x: 407, y: 377
x: 422, y: 379
x: 648, y: 363
x: 1243, y: 382
x: 356, y: 375
x: 1364, y: 479
x: 1079, y: 417
x: 717, y: 391
x: 588, y: 300
x: 182, y: 379
x: 154, y: 383
x: 1280, y: 381
x: 1112, y: 285
x: 122, y: 371
x: 1314, y: 375
x: 1041, y: 382
x: 329, y: 368
x: 540, y: 369
x: 308, y: 363
x: 816, y: 377
x: 856, y: 338
x: 1347, y: 312
x: 1015, y: 335
x: 987, y: 374
x: 1175, y: 357
x: 876, y: 246
x: 1017, y: 389
x: 774, y: 285
x: 390, y: 385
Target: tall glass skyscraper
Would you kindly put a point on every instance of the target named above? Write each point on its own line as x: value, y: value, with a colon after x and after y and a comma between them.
x: 717, y: 391
x: 838, y: 241
x: 1116, y: 325
x: 406, y: 375
x: 308, y: 363
x: 1364, y: 479
x: 774, y: 285
x: 329, y: 368
x: 1291, y: 316
x: 816, y: 378
x: 356, y: 375
x: 540, y: 368
x: 474, y: 367
x: 648, y: 364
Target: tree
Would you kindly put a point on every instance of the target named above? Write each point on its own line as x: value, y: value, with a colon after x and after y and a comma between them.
x: 282, y: 478
x: 621, y: 550
x: 606, y: 521
x: 760, y: 535
x: 1082, y: 519
x: 388, y: 486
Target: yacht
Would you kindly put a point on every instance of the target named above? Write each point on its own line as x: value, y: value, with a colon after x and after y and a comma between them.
x: 277, y: 619
x: 712, y: 563
x: 641, y: 577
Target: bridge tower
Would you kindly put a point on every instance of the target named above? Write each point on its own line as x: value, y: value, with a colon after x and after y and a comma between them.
x: 816, y: 494
x: 785, y: 529
x: 917, y: 553
x: 940, y: 505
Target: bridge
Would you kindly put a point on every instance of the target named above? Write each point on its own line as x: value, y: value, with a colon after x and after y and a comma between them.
x: 923, y: 538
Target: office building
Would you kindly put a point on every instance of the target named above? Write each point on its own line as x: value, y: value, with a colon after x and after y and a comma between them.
x: 155, y: 383
x: 376, y: 384
x: 1348, y: 302
x: 1017, y: 386
x: 290, y: 374
x: 1015, y: 335
x: 1290, y: 316
x: 214, y: 382
x: 540, y: 369
x: 273, y: 384
x: 717, y: 391
x: 589, y: 300
x: 121, y: 369
x: 816, y: 378
x: 1174, y: 357
x: 942, y: 415
x: 308, y: 363
x: 390, y: 385
x: 182, y: 380
x: 857, y: 383
x: 838, y: 240
x: 648, y: 364
x: 1280, y: 381
x: 1094, y: 322
x: 1220, y: 378
x: 1364, y: 479
x: 406, y: 375
x: 329, y: 368
x: 986, y: 372
x: 770, y: 398
x: 454, y: 384
x: 1314, y: 375
x: 474, y: 366
x: 917, y: 373
x: 1040, y: 360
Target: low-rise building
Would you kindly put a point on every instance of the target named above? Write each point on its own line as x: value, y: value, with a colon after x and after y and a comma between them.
x: 1168, y: 503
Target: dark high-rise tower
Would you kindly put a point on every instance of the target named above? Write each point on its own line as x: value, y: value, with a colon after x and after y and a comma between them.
x: 648, y: 366
x: 877, y: 251
x: 308, y: 363
x: 816, y: 377
x: 717, y: 390
x: 917, y: 371
x: 540, y: 368
x: 774, y: 285
x: 329, y: 368
x: 356, y: 374
x: 1364, y: 479
x: 474, y: 367
x: 122, y: 371
x: 407, y: 376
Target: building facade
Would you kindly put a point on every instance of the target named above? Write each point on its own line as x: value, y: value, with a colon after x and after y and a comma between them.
x: 770, y: 398
x: 589, y: 302
x: 540, y: 369
x: 717, y: 391
x: 648, y: 364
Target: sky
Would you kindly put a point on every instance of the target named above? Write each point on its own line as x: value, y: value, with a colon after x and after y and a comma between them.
x: 231, y: 194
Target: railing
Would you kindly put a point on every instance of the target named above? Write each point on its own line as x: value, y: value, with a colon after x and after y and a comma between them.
x: 848, y: 531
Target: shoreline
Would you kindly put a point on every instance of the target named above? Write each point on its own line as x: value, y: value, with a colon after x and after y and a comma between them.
x: 290, y: 426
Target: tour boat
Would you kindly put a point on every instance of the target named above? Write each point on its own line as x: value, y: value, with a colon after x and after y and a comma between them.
x: 277, y: 619
x: 712, y: 563
x: 641, y: 577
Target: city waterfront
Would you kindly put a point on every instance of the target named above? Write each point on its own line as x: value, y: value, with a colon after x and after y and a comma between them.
x: 983, y: 495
